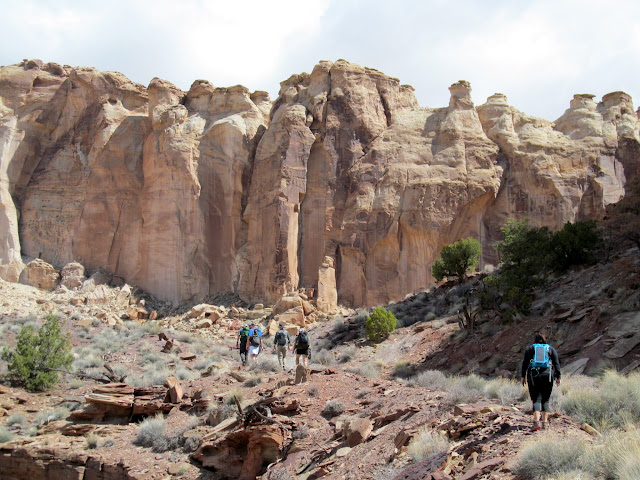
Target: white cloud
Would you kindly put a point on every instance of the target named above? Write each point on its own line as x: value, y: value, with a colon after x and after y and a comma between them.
x: 539, y: 53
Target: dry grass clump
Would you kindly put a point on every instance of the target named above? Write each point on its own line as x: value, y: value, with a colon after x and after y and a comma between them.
x: 427, y: 443
x: 432, y: 379
x: 618, y: 456
x: 614, y: 403
x: 5, y: 435
x: 334, y: 407
x: 403, y: 369
x: 347, y: 354
x: 16, y: 419
x: 507, y: 391
x: 230, y: 398
x: 265, y: 364
x: 549, y: 456
x: 324, y: 357
x: 51, y: 416
x: 219, y: 413
x: 152, y: 433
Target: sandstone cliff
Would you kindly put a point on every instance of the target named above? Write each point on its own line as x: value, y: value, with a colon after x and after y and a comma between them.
x: 343, y: 184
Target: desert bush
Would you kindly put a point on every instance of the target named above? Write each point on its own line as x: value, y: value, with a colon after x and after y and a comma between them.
x: 368, y: 369
x: 614, y: 404
x: 38, y: 354
x: 324, y: 357
x: 150, y: 431
x: 616, y: 456
x: 365, y: 392
x: 571, y: 475
x: 301, y: 432
x: 457, y: 259
x: 334, y: 407
x: 548, y: 456
x: 219, y: 413
x: 184, y: 373
x: 339, y: 325
x: 16, y: 419
x: 230, y: 398
x: 87, y: 361
x: 312, y: 391
x: 403, y: 369
x: 5, y: 435
x: 433, y: 379
x: 92, y: 441
x: 427, y: 443
x: 465, y: 389
x: 265, y: 364
x: 252, y: 382
x: 507, y: 391
x: 51, y: 416
x: 380, y: 324
x: 347, y: 354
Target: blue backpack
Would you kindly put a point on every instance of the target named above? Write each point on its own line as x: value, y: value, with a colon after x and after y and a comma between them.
x: 540, y: 358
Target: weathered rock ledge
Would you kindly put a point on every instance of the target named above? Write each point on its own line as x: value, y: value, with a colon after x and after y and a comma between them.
x: 344, y: 185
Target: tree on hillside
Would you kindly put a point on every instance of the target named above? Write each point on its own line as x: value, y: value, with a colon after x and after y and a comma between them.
x: 39, y: 354
x: 457, y: 259
x: 576, y: 244
x: 380, y: 324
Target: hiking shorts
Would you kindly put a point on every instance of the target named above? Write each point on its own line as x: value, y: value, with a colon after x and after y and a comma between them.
x: 302, y: 351
x: 540, y: 387
x: 254, y: 350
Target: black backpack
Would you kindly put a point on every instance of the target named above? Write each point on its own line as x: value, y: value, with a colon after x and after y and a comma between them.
x: 303, y: 340
x: 255, y: 338
x: 280, y: 338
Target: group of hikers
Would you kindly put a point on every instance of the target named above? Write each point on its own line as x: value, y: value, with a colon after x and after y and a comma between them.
x: 249, y: 342
x: 540, y: 366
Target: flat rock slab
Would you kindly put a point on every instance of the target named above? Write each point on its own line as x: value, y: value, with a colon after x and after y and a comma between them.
x: 575, y: 367
x: 623, y: 346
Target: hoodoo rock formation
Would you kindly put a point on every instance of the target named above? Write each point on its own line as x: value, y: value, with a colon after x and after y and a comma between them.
x: 343, y: 185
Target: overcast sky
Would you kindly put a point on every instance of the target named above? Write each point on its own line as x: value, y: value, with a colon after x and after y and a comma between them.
x: 539, y: 52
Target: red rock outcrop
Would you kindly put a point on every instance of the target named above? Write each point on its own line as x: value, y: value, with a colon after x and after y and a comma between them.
x: 344, y: 185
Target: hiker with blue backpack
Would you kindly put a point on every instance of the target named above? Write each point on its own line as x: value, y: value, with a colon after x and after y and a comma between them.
x: 539, y: 369
x: 254, y: 342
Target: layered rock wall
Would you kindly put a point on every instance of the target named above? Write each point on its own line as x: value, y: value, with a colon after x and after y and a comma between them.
x: 343, y: 185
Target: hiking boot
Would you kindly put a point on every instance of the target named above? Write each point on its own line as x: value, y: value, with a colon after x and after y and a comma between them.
x: 545, y: 425
x: 536, y: 426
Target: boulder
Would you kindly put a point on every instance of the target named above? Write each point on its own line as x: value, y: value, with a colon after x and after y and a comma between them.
x: 98, y: 296
x: 204, y: 310
x: 286, y: 303
x: 72, y: 275
x: 307, y: 307
x: 123, y: 296
x: 302, y: 374
x: 293, y: 316
x: 40, y: 274
x: 136, y: 313
x: 357, y: 430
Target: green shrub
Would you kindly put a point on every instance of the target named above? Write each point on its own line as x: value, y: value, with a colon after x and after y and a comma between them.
x: 38, y: 354
x: 457, y: 259
x: 427, y: 443
x: 549, y: 456
x: 576, y: 244
x: 380, y: 324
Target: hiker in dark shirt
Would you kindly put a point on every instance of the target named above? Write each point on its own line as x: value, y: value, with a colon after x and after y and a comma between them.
x: 301, y: 347
x: 540, y: 367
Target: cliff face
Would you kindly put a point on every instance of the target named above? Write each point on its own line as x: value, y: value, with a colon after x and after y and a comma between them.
x: 344, y: 184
